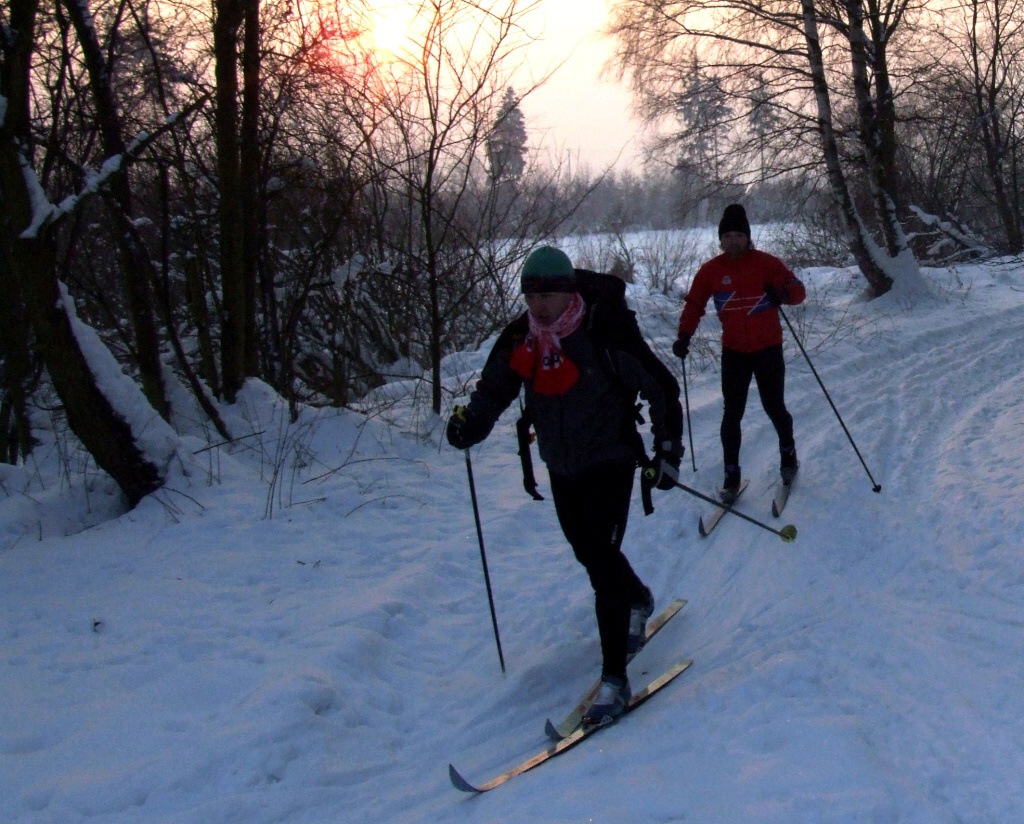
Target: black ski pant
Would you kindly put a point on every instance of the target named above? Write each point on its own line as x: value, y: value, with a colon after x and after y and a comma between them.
x: 768, y: 367
x: 592, y: 509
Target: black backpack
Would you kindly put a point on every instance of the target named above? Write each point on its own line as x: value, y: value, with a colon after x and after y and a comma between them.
x: 613, y: 324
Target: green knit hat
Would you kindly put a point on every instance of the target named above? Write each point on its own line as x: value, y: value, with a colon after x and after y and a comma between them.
x: 548, y: 269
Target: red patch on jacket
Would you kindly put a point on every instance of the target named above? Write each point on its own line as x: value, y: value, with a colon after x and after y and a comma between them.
x: 550, y: 371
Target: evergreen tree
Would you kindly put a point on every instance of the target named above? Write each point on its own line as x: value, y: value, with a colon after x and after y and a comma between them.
x: 763, y: 117
x: 506, y: 145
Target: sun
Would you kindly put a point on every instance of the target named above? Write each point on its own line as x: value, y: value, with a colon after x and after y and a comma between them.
x: 391, y: 25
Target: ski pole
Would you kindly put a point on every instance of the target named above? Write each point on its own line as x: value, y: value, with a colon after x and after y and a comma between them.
x: 787, y: 533
x: 876, y: 487
x: 483, y: 556
x: 689, y: 426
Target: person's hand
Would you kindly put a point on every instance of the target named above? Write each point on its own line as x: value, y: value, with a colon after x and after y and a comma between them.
x: 776, y: 297
x: 464, y: 428
x: 681, y: 346
x: 665, y: 468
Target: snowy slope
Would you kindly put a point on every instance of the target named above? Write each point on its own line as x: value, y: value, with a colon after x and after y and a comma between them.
x: 298, y: 630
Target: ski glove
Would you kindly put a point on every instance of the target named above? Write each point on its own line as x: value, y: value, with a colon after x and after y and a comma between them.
x: 465, y: 429
x: 776, y: 297
x: 665, y: 467
x: 681, y: 347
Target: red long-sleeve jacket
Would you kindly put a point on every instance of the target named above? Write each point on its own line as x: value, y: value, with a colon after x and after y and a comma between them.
x: 749, y: 321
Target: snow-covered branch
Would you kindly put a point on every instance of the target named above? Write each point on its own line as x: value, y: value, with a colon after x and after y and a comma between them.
x: 44, y: 212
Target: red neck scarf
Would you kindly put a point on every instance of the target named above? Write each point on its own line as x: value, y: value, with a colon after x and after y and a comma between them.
x: 540, y: 358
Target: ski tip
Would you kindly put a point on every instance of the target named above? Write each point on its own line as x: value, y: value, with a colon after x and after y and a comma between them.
x: 775, y: 510
x: 788, y: 533
x: 459, y: 782
x: 700, y: 528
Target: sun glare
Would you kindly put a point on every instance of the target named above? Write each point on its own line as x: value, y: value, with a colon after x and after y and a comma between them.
x: 391, y: 23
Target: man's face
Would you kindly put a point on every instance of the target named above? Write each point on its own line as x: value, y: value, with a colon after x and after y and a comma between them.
x: 546, y: 307
x: 734, y: 244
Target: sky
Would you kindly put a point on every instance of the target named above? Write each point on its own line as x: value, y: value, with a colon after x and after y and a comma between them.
x: 295, y: 630
x: 582, y: 111
x: 581, y: 114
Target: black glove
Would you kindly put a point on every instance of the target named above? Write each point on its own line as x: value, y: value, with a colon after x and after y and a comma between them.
x: 681, y: 346
x: 464, y: 428
x: 664, y: 468
x: 776, y: 297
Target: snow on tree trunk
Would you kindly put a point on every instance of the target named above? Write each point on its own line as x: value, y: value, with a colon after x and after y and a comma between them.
x: 154, y: 438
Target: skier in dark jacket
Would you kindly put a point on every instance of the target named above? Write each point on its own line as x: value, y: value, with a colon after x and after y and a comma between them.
x: 581, y: 395
x: 748, y: 286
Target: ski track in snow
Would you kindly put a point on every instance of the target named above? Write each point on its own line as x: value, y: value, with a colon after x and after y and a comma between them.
x: 327, y: 664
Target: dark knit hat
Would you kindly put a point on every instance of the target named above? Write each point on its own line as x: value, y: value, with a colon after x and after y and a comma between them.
x: 734, y: 219
x: 548, y: 269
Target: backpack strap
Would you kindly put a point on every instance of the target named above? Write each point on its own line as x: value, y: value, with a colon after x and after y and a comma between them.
x: 632, y: 433
x: 525, y: 438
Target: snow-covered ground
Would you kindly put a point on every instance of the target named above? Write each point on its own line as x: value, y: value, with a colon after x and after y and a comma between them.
x: 296, y: 628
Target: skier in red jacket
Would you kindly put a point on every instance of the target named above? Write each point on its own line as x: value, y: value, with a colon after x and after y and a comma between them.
x: 748, y: 286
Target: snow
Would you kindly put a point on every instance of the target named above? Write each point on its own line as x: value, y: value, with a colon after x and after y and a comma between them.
x: 298, y: 631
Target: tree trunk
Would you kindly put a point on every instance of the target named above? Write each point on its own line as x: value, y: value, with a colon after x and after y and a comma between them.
x: 877, y: 119
x: 862, y: 247
x: 250, y: 178
x: 15, y: 353
x: 232, y: 269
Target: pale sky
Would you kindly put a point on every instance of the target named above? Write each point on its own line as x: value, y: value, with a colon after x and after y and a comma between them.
x: 578, y: 111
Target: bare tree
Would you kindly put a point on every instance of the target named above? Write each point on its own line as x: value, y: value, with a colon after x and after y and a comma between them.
x: 29, y: 232
x: 806, y: 61
x: 988, y: 37
x: 443, y: 97
x: 135, y: 258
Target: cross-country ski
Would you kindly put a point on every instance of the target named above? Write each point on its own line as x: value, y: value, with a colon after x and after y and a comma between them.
x: 710, y: 521
x: 781, y: 498
x: 580, y: 734
x: 573, y: 719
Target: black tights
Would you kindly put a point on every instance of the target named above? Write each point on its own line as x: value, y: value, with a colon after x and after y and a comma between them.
x: 593, y: 508
x: 768, y: 368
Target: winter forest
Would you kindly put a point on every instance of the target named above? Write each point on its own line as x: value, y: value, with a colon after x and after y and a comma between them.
x: 208, y: 192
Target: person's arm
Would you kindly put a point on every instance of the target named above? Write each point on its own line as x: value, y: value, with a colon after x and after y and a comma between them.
x: 782, y: 286
x: 695, y: 304
x: 498, y: 386
x: 659, y: 388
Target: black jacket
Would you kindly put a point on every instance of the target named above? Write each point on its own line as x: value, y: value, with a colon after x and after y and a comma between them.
x: 595, y: 421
